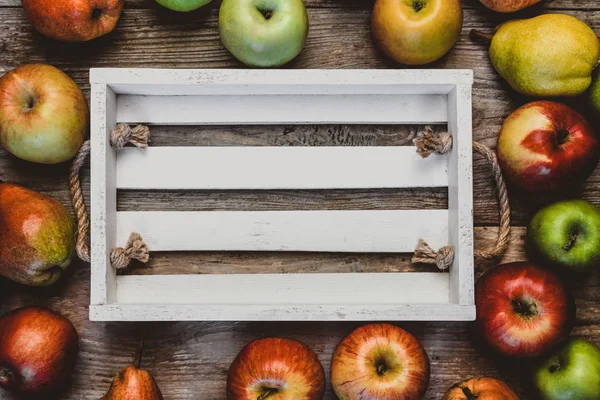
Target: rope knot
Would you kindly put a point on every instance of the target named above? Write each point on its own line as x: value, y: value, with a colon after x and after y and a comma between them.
x: 124, y: 134
x: 428, y: 141
x: 424, y: 254
x: 135, y: 249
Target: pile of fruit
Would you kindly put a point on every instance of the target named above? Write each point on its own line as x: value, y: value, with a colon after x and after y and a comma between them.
x: 524, y: 310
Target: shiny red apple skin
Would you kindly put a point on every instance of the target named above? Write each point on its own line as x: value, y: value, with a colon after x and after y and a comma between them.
x: 44, y: 115
x: 277, y: 369
x: 356, y: 365
x: 38, y: 350
x: 73, y: 20
x: 523, y: 310
x: 545, y: 146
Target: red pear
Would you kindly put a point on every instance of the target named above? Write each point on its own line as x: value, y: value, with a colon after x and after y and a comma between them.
x: 133, y: 383
x: 38, y: 350
x: 37, y: 236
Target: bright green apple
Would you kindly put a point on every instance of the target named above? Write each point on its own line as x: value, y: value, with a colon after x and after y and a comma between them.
x: 183, y: 5
x: 263, y: 33
x: 566, y: 235
x: 572, y: 373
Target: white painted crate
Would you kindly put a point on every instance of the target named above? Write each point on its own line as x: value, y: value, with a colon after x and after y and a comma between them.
x: 244, y: 97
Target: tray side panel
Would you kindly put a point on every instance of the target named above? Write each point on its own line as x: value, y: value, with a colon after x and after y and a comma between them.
x: 460, y: 195
x: 104, y: 194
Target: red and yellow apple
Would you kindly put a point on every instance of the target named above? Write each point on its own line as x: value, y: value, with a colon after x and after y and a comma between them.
x: 508, y: 6
x: 481, y: 389
x: 73, y: 20
x: 38, y: 350
x: 380, y: 361
x: 44, y: 116
x: 545, y: 146
x: 522, y: 310
x: 276, y: 368
x: 416, y: 32
x: 37, y: 236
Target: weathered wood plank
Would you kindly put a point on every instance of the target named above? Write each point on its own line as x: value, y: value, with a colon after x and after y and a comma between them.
x: 189, y: 359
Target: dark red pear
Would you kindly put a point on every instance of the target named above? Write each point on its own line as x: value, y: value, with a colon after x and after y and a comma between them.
x: 38, y: 350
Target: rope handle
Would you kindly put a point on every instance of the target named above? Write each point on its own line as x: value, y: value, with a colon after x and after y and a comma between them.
x: 135, y: 248
x: 428, y: 142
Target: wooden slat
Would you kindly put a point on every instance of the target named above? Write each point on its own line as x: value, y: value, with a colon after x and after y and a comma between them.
x: 282, y: 109
x: 292, y: 290
x: 278, y: 168
x: 331, y: 231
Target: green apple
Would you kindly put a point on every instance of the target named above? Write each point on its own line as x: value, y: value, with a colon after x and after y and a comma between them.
x: 263, y: 33
x: 595, y: 92
x: 183, y: 5
x: 566, y: 235
x: 572, y: 373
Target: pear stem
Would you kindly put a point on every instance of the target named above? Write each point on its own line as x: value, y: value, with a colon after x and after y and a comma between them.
x: 137, y: 361
x: 481, y: 36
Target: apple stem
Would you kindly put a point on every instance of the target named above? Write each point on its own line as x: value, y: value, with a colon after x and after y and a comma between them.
x: 571, y: 242
x: 266, y: 394
x: 137, y: 361
x: 468, y: 394
x: 481, y: 36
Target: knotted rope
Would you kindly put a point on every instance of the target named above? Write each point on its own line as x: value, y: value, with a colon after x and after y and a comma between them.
x: 135, y: 249
x: 428, y: 142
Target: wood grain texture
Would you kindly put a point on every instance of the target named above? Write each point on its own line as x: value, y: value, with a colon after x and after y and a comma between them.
x: 190, y: 360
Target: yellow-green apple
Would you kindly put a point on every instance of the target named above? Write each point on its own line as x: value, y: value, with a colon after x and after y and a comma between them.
x: 37, y: 236
x: 380, y: 361
x: 508, y: 6
x: 44, y: 116
x: 522, y: 310
x: 566, y: 235
x: 416, y: 32
x: 263, y: 33
x: 276, y: 368
x: 183, y: 5
x: 545, y: 146
x: 595, y: 92
x: 38, y: 350
x: 73, y: 20
x: 571, y: 373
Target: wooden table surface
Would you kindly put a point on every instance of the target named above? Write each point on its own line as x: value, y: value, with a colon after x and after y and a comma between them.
x: 190, y: 360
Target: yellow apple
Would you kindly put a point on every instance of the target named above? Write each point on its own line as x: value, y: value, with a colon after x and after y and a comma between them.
x: 416, y: 32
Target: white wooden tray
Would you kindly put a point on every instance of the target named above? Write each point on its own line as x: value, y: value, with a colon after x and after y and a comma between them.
x: 245, y: 97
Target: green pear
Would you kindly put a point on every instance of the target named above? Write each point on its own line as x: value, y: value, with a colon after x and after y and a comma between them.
x: 37, y: 236
x: 595, y: 92
x: 550, y: 55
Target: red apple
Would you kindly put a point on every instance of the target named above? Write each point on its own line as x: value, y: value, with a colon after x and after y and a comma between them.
x: 44, y: 116
x: 275, y: 368
x: 380, y: 361
x: 522, y: 310
x: 73, y: 20
x: 545, y: 146
x: 38, y: 350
